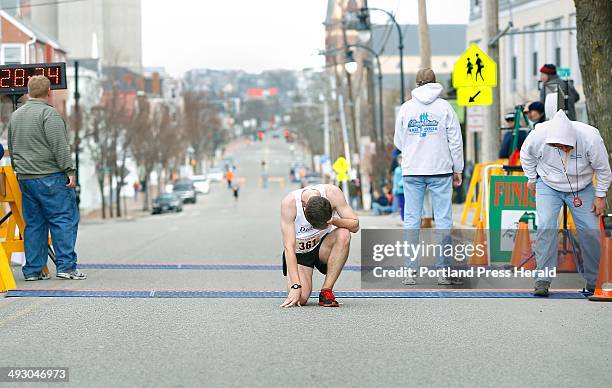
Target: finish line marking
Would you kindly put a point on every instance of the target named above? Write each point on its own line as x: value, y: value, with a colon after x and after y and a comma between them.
x: 204, y: 267
x: 75, y: 293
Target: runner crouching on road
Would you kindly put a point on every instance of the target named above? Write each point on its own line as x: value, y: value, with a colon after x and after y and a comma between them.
x: 316, y: 225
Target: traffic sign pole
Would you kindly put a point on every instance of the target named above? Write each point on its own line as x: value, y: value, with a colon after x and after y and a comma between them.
x: 491, y: 135
x: 345, y: 139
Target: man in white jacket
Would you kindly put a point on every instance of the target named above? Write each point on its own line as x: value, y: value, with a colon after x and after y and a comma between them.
x: 427, y: 132
x: 559, y: 158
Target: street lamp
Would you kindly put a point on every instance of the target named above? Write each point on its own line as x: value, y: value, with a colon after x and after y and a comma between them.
x: 350, y: 65
x: 364, y: 36
x: 364, y: 30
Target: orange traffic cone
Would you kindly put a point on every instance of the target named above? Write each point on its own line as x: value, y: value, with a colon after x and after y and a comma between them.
x: 480, y: 256
x: 603, y: 287
x: 565, y: 258
x: 522, y: 253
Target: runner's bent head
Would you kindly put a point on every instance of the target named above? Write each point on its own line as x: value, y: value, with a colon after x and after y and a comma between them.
x: 318, y: 212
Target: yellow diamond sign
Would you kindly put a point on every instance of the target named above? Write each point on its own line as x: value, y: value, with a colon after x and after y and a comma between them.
x: 341, y: 166
x: 474, y: 96
x: 474, y: 68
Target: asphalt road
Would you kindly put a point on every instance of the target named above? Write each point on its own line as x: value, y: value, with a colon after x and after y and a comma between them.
x: 252, y: 342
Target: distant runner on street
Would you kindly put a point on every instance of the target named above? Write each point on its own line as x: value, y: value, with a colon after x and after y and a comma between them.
x: 229, y: 176
x: 316, y: 225
x: 236, y: 189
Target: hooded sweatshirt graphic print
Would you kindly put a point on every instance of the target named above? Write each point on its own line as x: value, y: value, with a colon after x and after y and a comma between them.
x: 427, y: 132
x: 587, y: 156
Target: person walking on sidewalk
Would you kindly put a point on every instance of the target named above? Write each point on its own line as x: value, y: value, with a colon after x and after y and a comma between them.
x: 559, y: 158
x: 41, y: 158
x: 428, y: 134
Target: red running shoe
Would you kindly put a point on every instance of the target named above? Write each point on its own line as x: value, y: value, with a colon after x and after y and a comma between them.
x: 327, y: 298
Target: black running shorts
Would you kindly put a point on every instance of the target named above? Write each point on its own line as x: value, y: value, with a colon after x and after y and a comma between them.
x: 309, y: 259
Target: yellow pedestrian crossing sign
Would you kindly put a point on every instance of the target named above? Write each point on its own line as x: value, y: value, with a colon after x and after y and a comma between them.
x: 341, y: 167
x: 474, y: 96
x: 474, y: 68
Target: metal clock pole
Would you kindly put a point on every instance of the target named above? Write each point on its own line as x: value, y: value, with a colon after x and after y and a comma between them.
x: 77, y: 130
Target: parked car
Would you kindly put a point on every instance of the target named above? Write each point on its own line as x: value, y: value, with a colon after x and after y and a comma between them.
x: 215, y: 174
x: 312, y: 179
x: 167, y: 202
x: 201, y: 183
x: 186, y: 191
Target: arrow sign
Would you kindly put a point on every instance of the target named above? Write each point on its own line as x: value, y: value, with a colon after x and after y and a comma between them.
x: 474, y: 96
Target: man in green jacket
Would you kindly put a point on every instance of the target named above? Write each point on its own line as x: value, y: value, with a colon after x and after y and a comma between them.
x: 41, y: 158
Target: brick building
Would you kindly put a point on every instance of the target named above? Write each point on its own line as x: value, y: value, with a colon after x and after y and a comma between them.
x: 21, y: 42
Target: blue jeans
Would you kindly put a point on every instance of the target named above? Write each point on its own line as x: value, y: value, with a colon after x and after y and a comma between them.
x: 441, y: 189
x: 49, y: 205
x: 398, y: 204
x: 378, y: 209
x: 548, y: 203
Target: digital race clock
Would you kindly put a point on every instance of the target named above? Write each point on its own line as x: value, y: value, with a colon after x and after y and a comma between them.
x: 14, y: 78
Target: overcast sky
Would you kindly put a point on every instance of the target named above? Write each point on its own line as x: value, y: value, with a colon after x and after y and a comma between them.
x: 256, y: 35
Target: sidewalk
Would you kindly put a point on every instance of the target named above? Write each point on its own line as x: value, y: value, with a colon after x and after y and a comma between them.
x: 393, y: 221
x: 133, y: 207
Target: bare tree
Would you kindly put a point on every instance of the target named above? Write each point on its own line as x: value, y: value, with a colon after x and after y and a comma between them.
x: 102, y: 139
x: 307, y: 121
x: 172, y: 144
x: 594, y: 42
x: 97, y: 141
x: 154, y: 140
x: 201, y: 125
x: 109, y: 141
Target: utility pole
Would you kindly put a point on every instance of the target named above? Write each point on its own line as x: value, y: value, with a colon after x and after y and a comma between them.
x: 345, y: 140
x: 424, y: 36
x: 351, y: 101
x: 326, y: 142
x: 491, y: 133
x: 77, y: 131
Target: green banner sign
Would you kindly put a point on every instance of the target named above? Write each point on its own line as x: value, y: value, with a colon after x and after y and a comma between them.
x: 564, y: 71
x: 510, y: 202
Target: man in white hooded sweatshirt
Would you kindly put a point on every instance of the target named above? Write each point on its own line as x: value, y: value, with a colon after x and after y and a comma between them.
x: 428, y: 133
x: 559, y: 158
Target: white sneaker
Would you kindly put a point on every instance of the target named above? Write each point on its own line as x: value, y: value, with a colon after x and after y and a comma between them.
x: 409, y: 281
x: 74, y: 275
x: 444, y: 281
x: 40, y: 276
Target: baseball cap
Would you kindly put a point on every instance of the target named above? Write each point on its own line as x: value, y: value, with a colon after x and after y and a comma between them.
x: 537, y: 106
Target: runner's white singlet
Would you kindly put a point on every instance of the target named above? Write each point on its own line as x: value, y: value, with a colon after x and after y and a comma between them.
x: 306, y: 236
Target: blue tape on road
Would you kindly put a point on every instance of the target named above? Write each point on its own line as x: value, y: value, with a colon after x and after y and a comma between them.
x: 203, y: 267
x: 279, y: 294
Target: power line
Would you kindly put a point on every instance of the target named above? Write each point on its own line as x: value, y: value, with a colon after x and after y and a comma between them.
x: 57, y: 2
